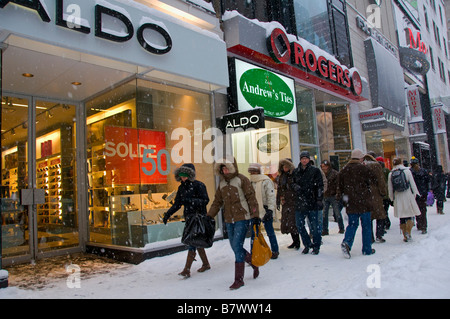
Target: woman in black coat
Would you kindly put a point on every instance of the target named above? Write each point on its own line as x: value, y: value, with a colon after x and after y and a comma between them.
x: 191, y: 194
x: 438, y: 187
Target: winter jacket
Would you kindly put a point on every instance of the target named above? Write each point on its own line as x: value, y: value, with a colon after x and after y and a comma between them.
x: 331, y: 183
x: 191, y: 194
x: 438, y: 185
x: 378, y: 188
x: 308, y: 187
x: 264, y: 192
x: 235, y: 193
x: 405, y: 204
x: 286, y: 198
x: 422, y: 180
x: 354, y: 187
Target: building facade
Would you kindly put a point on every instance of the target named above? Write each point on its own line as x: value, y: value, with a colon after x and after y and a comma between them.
x: 100, y: 102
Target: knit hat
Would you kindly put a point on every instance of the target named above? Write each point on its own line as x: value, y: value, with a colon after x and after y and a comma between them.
x: 304, y: 154
x: 414, y: 160
x: 254, y: 167
x: 380, y: 159
x: 357, y: 153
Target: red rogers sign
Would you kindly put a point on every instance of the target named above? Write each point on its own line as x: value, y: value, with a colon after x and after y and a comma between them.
x: 295, y: 54
x: 371, y: 114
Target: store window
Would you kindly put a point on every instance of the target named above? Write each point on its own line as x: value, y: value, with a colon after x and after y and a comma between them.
x: 307, y: 127
x: 333, y: 129
x: 137, y: 134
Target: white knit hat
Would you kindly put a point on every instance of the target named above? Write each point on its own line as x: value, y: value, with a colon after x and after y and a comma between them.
x: 357, y: 153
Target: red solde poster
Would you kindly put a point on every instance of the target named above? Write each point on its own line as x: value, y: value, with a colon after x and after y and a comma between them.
x: 124, y: 156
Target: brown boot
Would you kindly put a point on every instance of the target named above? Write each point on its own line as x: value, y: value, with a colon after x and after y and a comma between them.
x: 403, y: 229
x: 205, y: 266
x: 409, y: 226
x: 239, y: 269
x: 186, y: 273
x: 248, y: 259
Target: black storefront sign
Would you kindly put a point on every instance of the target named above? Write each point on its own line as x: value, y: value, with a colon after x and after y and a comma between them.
x: 242, y: 121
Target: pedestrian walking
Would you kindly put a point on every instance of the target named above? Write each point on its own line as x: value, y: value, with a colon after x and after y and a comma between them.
x: 438, y: 187
x: 354, y: 189
x: 329, y: 198
x: 191, y: 194
x: 422, y: 180
x: 403, y: 192
x: 377, y: 191
x: 265, y: 195
x: 308, y: 186
x: 386, y: 201
x: 286, y: 198
x: 240, y: 209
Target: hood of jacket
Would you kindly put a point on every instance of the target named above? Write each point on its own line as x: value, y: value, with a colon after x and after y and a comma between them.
x: 258, y: 178
x: 230, y: 163
x: 287, y: 162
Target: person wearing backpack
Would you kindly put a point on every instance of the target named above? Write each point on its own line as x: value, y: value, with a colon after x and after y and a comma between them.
x: 403, y: 191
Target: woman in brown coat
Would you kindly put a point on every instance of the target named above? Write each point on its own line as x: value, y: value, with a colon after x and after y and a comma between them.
x: 378, y: 192
x: 286, y: 198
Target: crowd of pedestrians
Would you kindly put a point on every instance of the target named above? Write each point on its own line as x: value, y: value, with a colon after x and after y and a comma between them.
x: 365, y: 187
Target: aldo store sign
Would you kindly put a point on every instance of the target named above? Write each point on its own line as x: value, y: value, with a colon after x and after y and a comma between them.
x: 260, y: 88
x: 76, y: 23
x: 125, y: 31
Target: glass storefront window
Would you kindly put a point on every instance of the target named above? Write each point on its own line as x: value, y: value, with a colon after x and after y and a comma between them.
x: 14, y: 164
x: 306, y: 115
x: 137, y: 134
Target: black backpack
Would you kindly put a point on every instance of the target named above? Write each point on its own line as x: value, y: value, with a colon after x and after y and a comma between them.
x: 398, y: 180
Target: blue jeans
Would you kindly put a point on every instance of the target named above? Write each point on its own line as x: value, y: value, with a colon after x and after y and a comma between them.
x: 268, y: 226
x: 366, y: 224
x: 236, y: 234
x: 313, y: 217
x: 336, y: 212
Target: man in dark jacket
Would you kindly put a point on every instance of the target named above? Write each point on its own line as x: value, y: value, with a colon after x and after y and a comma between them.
x: 308, y: 186
x: 422, y: 180
x: 354, y: 189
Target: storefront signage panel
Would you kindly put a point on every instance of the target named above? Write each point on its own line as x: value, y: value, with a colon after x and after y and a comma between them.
x: 135, y: 156
x: 415, y: 108
x: 258, y: 87
x: 242, y: 120
x: 379, y: 118
x: 438, y: 119
x: 112, y: 29
x: 310, y: 58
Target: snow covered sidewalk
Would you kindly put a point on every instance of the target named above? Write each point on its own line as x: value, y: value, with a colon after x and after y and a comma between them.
x: 419, y: 269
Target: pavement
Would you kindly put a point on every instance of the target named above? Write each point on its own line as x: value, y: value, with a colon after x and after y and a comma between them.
x: 45, y: 273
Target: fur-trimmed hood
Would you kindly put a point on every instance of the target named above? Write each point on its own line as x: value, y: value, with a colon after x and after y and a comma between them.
x: 230, y: 163
x: 188, y: 169
x: 288, y: 162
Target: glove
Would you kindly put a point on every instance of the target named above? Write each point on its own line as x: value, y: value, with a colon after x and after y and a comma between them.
x: 256, y: 221
x: 165, y: 218
x: 268, y: 215
x: 319, y: 205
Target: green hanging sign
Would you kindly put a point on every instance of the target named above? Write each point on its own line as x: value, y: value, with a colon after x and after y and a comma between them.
x: 258, y: 87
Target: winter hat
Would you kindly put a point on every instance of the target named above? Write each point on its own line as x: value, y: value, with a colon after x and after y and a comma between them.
x: 414, y: 160
x: 304, y: 154
x: 380, y: 159
x: 357, y: 153
x: 185, y: 170
x: 254, y: 167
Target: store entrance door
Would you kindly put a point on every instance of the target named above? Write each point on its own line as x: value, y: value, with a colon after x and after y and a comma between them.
x: 38, y: 190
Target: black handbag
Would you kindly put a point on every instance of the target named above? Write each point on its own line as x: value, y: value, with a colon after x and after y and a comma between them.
x: 199, y: 231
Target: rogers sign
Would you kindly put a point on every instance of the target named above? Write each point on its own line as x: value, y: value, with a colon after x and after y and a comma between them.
x: 295, y: 54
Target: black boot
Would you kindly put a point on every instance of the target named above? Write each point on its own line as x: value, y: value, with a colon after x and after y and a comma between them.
x: 295, y: 241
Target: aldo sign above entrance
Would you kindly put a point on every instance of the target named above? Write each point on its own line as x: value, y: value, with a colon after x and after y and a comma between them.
x: 125, y: 31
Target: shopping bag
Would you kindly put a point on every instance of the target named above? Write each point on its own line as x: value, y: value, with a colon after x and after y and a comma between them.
x: 199, y: 231
x: 261, y: 252
x: 430, y: 199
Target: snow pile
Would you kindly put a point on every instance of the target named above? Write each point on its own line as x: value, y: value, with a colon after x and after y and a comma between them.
x: 418, y: 269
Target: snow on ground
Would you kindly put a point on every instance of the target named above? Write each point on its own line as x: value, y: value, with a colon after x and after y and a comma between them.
x: 419, y: 269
